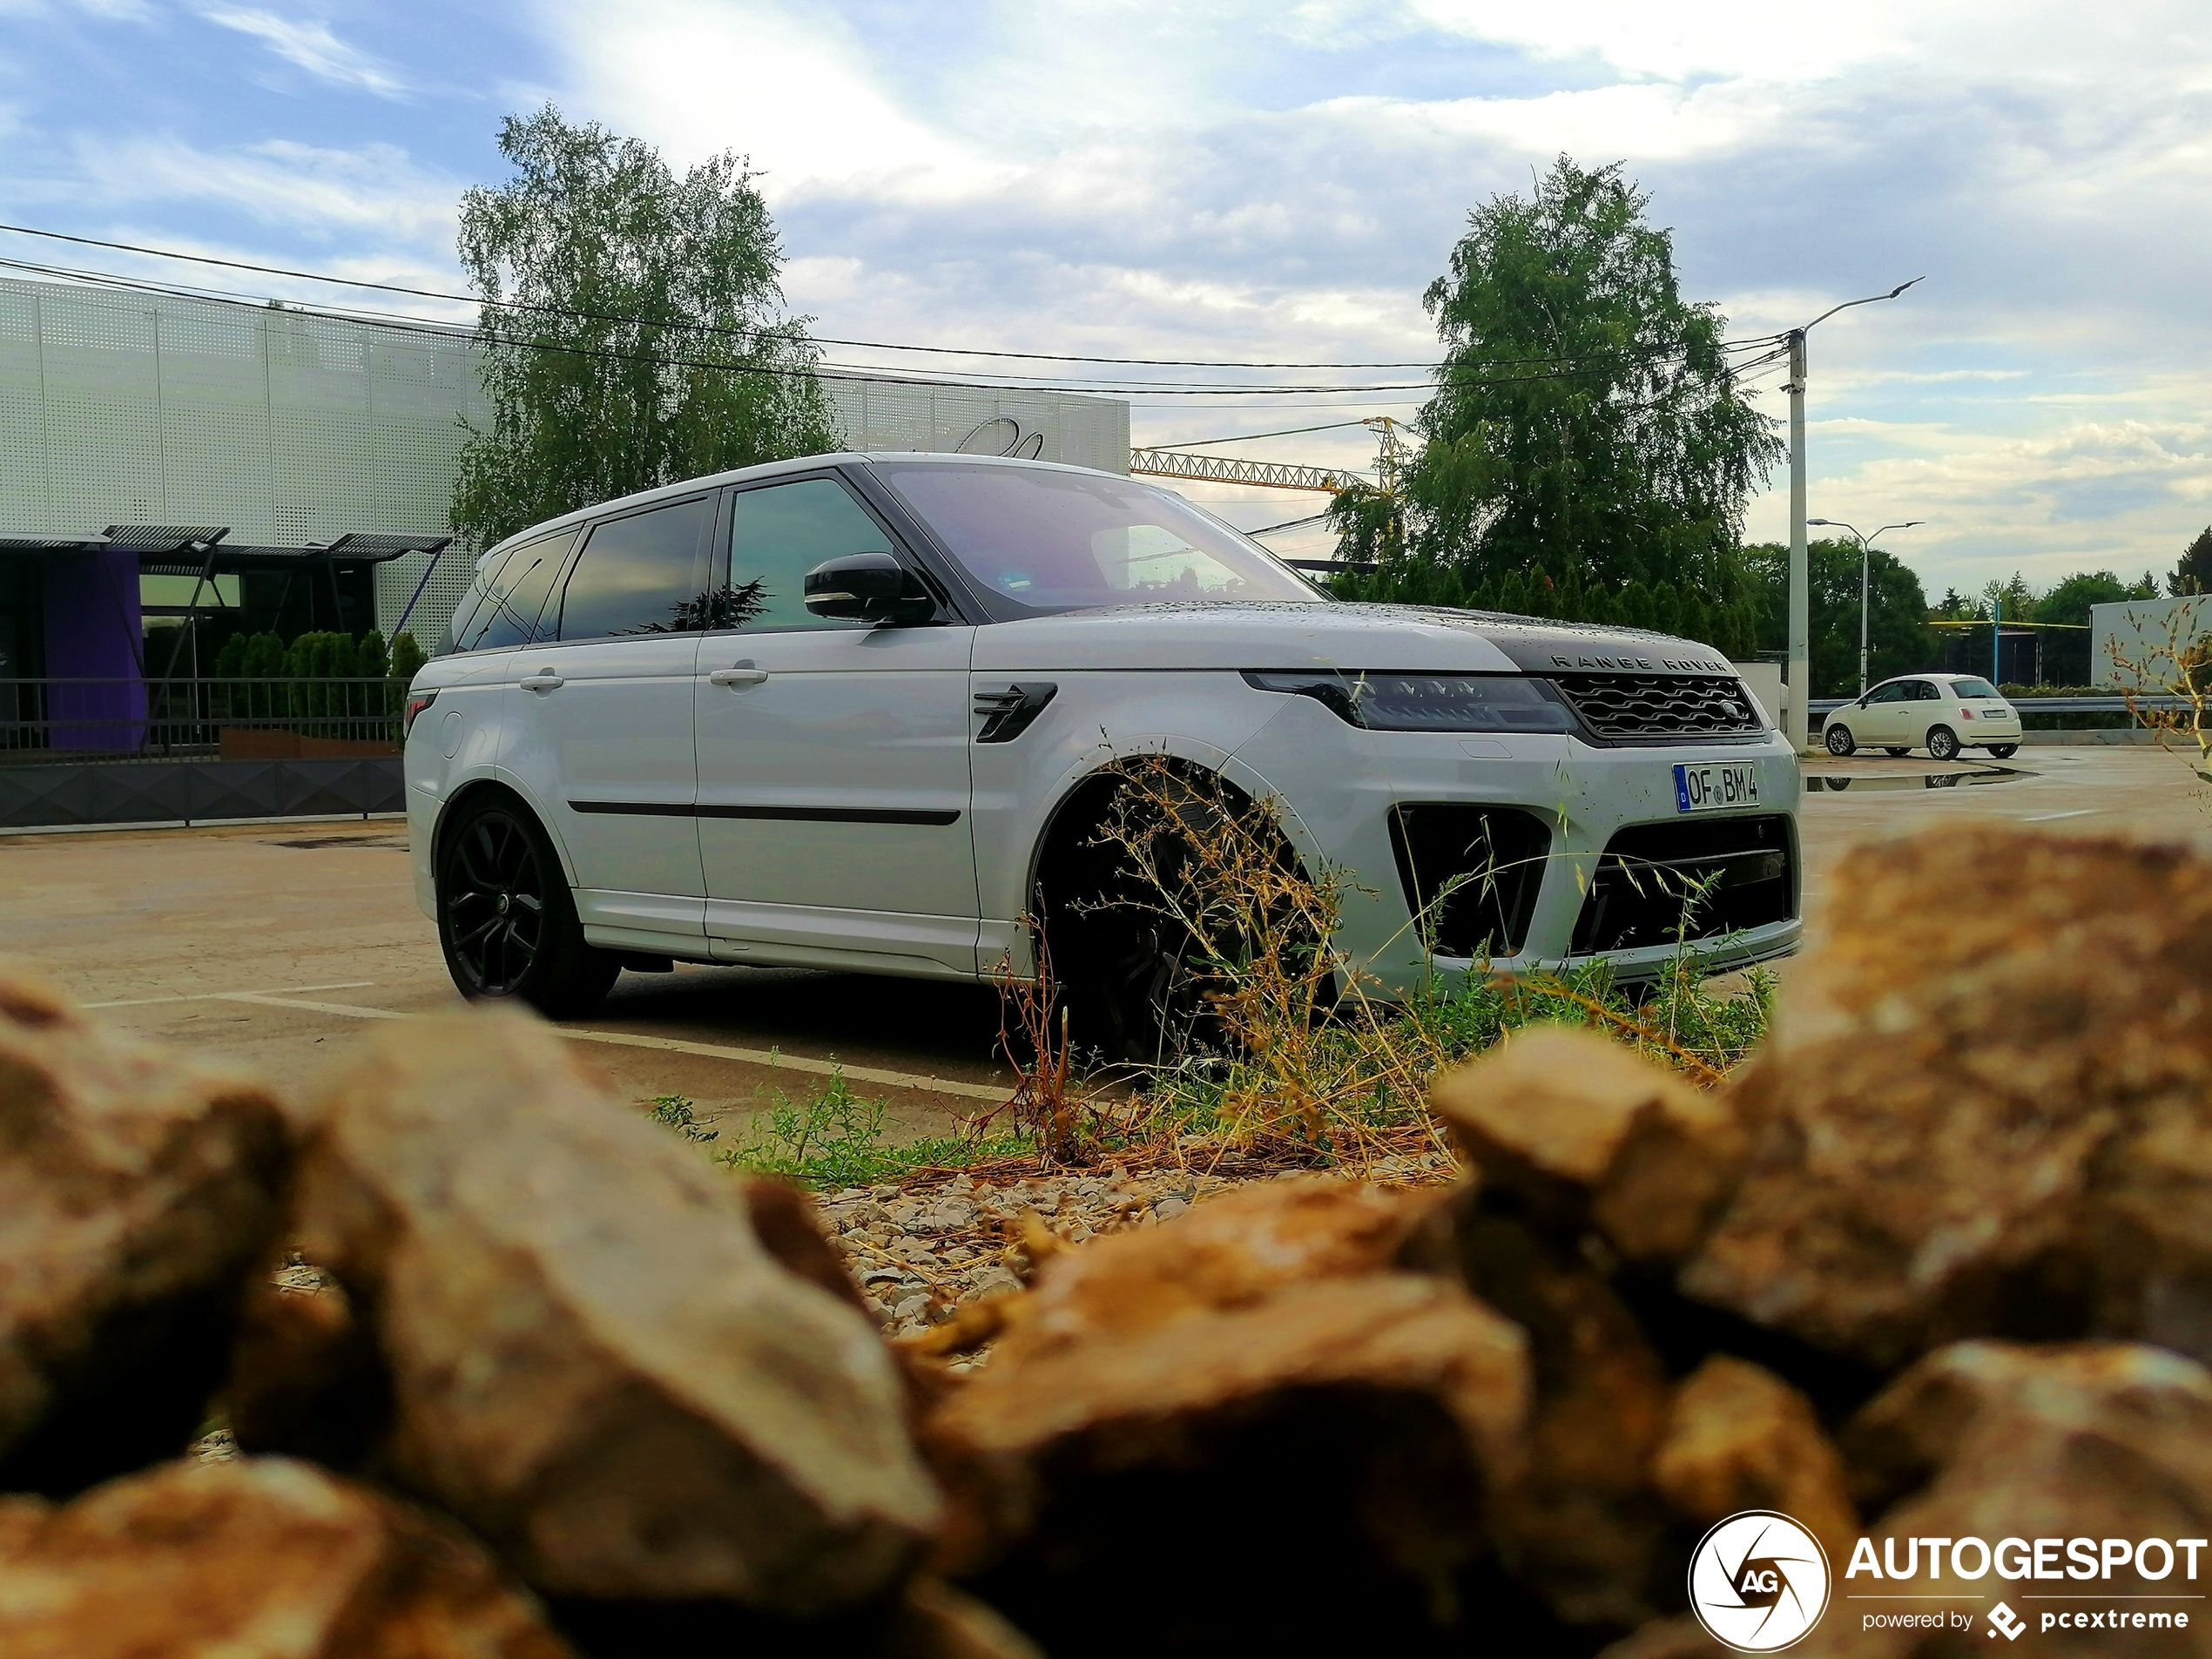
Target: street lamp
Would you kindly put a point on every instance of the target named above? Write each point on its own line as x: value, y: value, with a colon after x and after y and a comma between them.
x: 1864, y: 543
x: 1800, y: 576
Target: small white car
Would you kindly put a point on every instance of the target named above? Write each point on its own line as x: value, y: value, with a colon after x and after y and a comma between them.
x: 861, y: 712
x: 1942, y: 713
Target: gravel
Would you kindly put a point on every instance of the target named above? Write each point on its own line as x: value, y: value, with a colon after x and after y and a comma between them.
x: 919, y: 1252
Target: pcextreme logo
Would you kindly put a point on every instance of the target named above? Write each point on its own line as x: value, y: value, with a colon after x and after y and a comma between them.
x: 1759, y: 1581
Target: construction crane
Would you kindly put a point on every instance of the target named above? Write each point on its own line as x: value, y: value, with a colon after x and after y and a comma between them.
x: 1393, y: 454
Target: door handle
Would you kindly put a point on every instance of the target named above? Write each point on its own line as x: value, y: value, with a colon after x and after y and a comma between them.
x: 544, y: 681
x: 744, y: 674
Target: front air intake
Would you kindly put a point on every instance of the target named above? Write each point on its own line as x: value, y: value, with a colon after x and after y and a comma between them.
x: 1471, y: 875
x: 1657, y: 884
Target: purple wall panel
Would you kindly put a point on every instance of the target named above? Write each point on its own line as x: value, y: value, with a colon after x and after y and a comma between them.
x: 94, y: 630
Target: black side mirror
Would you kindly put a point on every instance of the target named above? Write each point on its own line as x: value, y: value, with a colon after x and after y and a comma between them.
x: 868, y: 587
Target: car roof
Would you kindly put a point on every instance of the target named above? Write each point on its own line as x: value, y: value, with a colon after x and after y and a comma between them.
x: 777, y: 469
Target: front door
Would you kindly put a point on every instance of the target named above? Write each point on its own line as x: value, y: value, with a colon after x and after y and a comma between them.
x: 833, y: 781
x: 1883, y: 720
x: 603, y: 739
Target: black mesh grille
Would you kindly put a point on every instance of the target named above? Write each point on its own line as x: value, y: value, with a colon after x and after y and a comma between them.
x: 1662, y: 705
x: 1498, y: 853
x: 1692, y: 879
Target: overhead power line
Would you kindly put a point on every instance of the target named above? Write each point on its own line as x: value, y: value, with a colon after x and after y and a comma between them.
x: 761, y: 332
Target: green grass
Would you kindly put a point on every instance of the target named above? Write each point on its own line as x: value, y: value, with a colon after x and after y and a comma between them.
x: 1365, y: 1078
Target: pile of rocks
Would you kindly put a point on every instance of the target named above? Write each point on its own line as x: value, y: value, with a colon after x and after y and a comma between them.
x: 1937, y: 1264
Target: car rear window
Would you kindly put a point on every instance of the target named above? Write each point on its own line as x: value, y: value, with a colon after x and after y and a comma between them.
x: 1974, y: 688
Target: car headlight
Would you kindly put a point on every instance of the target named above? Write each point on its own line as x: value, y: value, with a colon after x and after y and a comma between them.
x: 1392, y: 701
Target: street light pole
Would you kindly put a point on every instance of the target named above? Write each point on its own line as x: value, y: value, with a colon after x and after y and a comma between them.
x: 1800, y: 574
x: 1865, y: 543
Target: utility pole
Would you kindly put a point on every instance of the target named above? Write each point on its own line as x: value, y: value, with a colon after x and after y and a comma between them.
x: 1800, y: 693
x: 1800, y: 698
x: 1866, y: 559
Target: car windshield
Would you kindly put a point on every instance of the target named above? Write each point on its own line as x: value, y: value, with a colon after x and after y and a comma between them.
x: 1038, y: 539
x: 1974, y: 688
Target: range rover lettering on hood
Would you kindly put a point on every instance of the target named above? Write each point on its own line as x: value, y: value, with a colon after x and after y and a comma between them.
x: 1539, y: 648
x: 1650, y: 665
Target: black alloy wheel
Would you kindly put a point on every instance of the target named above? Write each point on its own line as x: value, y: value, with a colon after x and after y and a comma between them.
x: 506, y: 920
x: 1943, y: 744
x: 1840, y: 741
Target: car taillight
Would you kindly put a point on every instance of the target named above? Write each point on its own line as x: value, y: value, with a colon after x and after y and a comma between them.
x: 415, y: 704
x: 1966, y: 714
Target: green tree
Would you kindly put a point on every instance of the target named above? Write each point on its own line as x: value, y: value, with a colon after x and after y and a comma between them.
x: 1586, y: 412
x: 2193, y: 572
x: 2067, y: 644
x: 631, y: 328
x: 408, y: 657
x: 1899, y: 640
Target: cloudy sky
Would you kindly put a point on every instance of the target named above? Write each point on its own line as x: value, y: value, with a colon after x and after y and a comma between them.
x: 1280, y: 181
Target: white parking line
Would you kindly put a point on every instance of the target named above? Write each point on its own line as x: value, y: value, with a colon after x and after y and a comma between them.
x: 217, y: 996
x: 2046, y: 818
x: 769, y: 1057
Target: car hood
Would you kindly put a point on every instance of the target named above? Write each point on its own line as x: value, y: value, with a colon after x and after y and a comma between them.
x: 1324, y: 634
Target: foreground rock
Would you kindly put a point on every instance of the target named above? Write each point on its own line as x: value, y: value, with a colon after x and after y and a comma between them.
x: 580, y: 1346
x: 1987, y: 1107
x: 261, y: 1559
x: 1996, y: 1440
x: 1232, y: 1252
x: 135, y: 1191
x: 1582, y: 1526
x: 1586, y: 1133
x: 1737, y: 1438
x: 1321, y: 1461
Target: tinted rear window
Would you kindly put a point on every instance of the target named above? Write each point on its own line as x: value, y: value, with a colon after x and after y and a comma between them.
x: 502, y: 607
x: 1974, y: 688
x: 639, y: 575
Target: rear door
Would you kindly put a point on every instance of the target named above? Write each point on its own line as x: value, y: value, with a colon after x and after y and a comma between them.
x: 833, y: 766
x: 603, y: 732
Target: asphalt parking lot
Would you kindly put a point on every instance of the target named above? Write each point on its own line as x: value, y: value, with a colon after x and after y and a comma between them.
x: 279, y: 944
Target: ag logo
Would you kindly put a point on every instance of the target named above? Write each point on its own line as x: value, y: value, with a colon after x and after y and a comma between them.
x: 1759, y: 1581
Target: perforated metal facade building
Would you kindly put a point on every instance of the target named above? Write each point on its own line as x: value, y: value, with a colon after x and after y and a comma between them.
x: 122, y: 407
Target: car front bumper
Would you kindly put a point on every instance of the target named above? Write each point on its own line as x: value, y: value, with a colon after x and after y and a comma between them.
x: 1342, y: 785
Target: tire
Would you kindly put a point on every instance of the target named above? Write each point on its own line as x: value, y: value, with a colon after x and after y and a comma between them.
x: 1943, y: 744
x: 506, y: 920
x: 1138, y: 982
x: 1893, y: 752
x: 1839, y: 740
x: 2003, y: 750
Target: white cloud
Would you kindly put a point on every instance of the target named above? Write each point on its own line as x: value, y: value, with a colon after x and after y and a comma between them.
x: 308, y: 190
x: 312, y: 47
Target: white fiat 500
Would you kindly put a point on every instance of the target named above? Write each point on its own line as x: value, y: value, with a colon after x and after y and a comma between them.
x: 864, y: 711
x: 1942, y: 713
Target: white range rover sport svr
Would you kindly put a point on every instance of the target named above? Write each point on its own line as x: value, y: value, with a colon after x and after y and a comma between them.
x: 864, y: 711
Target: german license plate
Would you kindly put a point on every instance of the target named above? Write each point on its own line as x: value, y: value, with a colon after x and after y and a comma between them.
x: 1716, y: 788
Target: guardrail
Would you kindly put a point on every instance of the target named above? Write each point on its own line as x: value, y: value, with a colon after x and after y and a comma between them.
x: 2040, y: 705
x: 124, y: 719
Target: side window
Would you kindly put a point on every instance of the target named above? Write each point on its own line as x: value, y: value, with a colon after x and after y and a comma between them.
x: 1895, y: 692
x: 508, y: 613
x: 463, y: 618
x: 1926, y: 691
x: 639, y: 575
x: 778, y: 533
